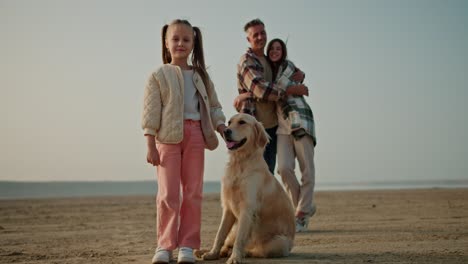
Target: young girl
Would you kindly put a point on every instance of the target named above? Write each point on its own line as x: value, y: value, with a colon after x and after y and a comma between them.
x: 181, y: 110
x: 296, y: 139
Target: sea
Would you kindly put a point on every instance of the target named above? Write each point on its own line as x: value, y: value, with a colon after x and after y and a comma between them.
x: 63, y: 189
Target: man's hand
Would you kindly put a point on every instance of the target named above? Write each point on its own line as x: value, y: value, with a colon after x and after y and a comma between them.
x: 241, y: 98
x: 298, y: 89
x: 298, y: 76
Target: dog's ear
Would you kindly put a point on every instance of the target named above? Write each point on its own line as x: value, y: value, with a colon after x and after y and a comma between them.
x: 261, y: 136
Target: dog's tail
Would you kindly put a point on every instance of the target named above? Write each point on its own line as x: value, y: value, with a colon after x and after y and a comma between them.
x: 279, y: 246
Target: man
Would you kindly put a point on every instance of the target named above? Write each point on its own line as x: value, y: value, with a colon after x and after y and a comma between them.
x: 255, y: 83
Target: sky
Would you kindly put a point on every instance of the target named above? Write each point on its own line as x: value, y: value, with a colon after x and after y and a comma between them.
x: 388, y: 83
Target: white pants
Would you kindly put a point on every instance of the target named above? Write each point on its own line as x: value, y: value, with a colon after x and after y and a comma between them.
x: 303, y: 149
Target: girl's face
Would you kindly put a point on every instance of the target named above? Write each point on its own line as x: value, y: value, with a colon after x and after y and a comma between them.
x: 179, y: 41
x: 276, y: 52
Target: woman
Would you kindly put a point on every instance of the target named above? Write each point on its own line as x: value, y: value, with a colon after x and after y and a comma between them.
x: 296, y: 139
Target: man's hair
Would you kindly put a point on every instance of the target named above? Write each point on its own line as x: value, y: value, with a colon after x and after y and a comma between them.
x: 252, y: 23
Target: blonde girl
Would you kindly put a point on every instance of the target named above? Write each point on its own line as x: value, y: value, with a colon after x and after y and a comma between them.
x: 181, y: 111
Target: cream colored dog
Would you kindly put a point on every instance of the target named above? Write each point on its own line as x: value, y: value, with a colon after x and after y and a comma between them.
x: 258, y: 216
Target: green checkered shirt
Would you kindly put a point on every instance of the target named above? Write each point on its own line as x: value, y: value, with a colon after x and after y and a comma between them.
x: 295, y: 108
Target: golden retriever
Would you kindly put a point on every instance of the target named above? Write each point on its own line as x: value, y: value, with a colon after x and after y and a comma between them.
x: 258, y: 216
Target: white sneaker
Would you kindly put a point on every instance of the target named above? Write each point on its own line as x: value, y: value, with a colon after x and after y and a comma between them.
x: 185, y: 255
x: 161, y: 256
x: 302, y: 224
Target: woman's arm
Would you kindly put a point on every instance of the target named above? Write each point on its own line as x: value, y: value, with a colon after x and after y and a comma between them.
x: 254, y: 82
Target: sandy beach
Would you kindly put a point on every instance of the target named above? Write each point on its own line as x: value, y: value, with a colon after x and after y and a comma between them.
x: 395, y: 226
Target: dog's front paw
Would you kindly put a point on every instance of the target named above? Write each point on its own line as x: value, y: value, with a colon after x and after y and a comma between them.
x: 200, y: 252
x: 210, y: 256
x: 226, y: 252
x: 234, y: 260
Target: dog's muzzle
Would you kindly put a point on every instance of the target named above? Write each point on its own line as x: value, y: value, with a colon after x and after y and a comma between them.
x: 230, y: 143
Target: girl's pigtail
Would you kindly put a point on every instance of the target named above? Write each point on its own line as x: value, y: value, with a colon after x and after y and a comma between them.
x: 198, y: 58
x: 166, y: 55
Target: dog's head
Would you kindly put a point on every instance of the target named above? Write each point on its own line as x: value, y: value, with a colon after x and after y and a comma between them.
x: 245, y: 133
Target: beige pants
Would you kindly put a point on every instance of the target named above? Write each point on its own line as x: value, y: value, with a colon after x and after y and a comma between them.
x: 288, y: 149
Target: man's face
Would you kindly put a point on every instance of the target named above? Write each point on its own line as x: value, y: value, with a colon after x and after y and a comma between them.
x: 257, y: 37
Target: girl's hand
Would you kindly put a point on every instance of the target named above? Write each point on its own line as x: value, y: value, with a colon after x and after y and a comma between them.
x: 241, y: 98
x: 221, y: 129
x: 152, y: 157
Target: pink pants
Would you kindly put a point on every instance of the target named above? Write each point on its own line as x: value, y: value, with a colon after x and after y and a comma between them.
x: 181, y: 169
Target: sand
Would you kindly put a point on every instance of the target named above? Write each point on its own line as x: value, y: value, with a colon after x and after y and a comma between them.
x: 396, y: 226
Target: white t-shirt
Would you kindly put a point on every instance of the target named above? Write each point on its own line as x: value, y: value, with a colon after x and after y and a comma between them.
x: 191, y: 104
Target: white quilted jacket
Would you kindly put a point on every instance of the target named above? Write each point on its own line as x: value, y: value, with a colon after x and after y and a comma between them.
x: 163, y: 107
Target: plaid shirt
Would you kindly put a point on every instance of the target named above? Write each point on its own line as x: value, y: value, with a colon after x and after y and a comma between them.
x: 295, y: 108
x: 250, y: 79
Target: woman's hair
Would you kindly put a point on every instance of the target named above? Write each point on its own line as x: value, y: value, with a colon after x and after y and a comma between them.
x: 275, y: 65
x: 198, y: 58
